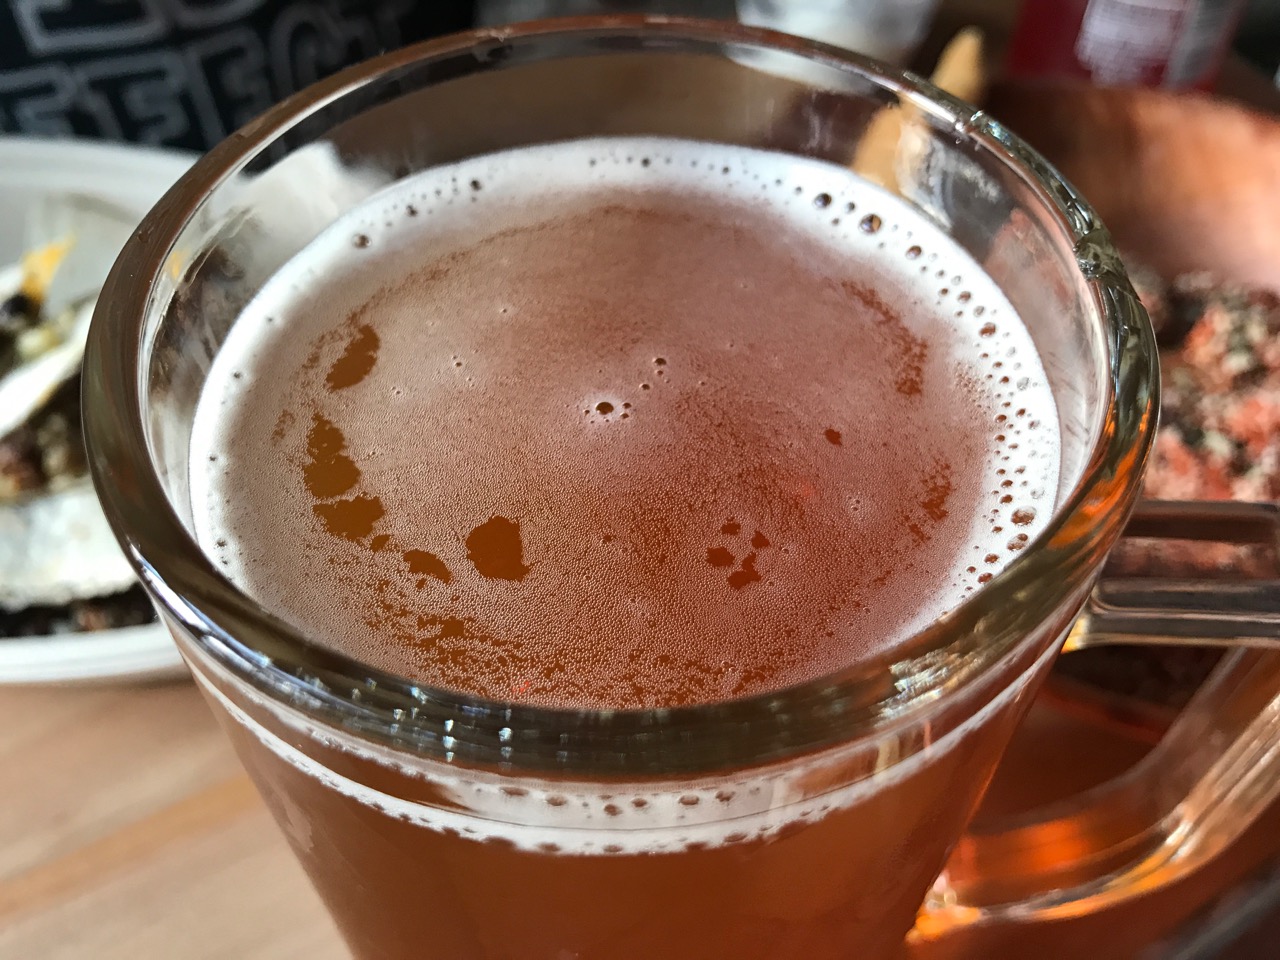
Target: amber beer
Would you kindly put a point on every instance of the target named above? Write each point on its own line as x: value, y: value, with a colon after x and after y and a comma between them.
x: 622, y: 424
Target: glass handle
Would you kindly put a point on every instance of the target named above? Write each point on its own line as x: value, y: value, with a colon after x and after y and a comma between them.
x: 1223, y: 590
x: 1214, y: 771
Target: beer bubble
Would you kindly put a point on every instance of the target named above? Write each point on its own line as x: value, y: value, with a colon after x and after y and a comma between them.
x: 987, y: 330
x: 913, y: 253
x: 604, y: 406
x: 361, y: 241
x: 822, y: 201
x: 1023, y: 516
x: 870, y: 223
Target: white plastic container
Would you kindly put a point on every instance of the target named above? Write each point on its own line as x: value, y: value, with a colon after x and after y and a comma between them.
x: 889, y: 30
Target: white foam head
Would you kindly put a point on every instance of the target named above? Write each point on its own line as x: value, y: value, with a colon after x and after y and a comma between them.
x: 431, y: 365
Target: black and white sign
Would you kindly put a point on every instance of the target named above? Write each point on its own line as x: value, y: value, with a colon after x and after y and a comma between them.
x: 185, y: 73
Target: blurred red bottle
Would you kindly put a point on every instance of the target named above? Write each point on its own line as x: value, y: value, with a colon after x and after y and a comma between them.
x: 1145, y: 43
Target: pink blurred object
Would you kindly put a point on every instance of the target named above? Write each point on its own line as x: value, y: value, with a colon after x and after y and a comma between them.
x: 1175, y: 44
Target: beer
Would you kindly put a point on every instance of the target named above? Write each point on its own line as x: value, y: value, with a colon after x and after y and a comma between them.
x: 618, y: 424
x: 623, y: 424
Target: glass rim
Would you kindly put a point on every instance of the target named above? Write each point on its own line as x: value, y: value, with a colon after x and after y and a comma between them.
x: 948, y: 656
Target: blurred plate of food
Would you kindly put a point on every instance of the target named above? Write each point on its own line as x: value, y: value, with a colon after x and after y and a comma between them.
x: 70, y: 608
x: 1189, y: 186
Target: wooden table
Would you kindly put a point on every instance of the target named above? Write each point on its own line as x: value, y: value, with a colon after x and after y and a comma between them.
x: 129, y: 832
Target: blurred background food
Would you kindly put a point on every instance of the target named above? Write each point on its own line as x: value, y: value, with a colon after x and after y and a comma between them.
x: 1188, y: 184
x: 59, y: 560
x: 70, y: 607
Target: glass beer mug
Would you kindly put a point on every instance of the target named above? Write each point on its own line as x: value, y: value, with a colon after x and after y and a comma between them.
x: 807, y: 823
